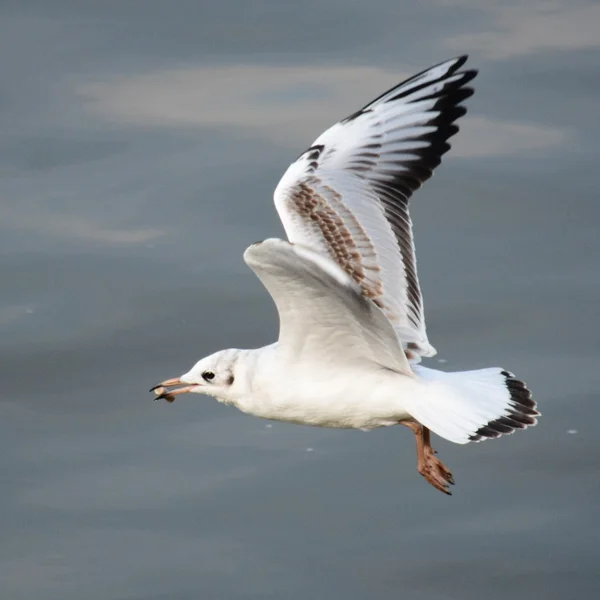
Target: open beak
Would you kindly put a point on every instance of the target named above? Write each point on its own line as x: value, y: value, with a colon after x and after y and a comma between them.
x: 162, y: 392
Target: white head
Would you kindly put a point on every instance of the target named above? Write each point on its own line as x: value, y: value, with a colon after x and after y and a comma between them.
x: 218, y: 375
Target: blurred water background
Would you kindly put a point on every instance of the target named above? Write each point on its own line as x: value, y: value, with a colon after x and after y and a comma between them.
x: 141, y: 143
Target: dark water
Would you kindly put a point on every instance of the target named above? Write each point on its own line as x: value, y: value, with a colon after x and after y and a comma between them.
x: 141, y: 142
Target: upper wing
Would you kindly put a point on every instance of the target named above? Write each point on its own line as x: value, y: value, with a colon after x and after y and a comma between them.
x: 347, y: 195
x: 322, y: 313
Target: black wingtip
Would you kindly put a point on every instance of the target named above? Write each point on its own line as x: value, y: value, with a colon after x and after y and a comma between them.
x: 460, y: 61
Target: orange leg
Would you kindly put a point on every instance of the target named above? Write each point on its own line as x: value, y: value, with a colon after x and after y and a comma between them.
x: 434, y: 471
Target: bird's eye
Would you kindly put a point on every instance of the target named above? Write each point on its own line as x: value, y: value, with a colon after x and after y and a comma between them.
x: 208, y: 375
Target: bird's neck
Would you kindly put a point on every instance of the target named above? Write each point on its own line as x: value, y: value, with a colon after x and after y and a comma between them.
x: 251, y: 368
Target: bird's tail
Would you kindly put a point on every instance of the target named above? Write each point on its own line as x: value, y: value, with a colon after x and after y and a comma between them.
x: 470, y: 406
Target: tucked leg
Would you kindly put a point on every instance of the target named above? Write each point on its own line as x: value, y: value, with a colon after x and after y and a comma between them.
x: 434, y: 471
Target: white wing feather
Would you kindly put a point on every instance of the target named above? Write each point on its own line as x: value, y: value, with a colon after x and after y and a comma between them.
x: 347, y: 195
x: 322, y: 314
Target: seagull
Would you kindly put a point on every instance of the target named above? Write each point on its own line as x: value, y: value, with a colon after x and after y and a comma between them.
x: 351, y: 321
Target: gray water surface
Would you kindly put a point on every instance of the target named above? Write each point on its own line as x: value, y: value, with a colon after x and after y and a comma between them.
x: 141, y: 142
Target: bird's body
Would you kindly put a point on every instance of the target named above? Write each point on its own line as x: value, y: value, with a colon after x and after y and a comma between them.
x: 352, y: 325
x: 305, y: 393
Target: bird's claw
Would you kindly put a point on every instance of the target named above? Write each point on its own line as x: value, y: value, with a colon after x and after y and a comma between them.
x: 436, y: 473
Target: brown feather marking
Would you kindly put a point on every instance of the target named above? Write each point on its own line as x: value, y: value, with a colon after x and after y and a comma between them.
x: 332, y: 218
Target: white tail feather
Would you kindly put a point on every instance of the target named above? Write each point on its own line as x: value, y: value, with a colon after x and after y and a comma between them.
x: 468, y: 406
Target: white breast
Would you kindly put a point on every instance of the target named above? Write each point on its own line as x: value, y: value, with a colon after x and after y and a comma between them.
x: 350, y: 398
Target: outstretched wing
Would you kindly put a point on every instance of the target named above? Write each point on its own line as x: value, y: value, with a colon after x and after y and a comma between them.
x: 347, y: 196
x: 323, y: 315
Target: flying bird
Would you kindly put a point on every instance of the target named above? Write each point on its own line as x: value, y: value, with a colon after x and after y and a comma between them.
x: 351, y: 321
